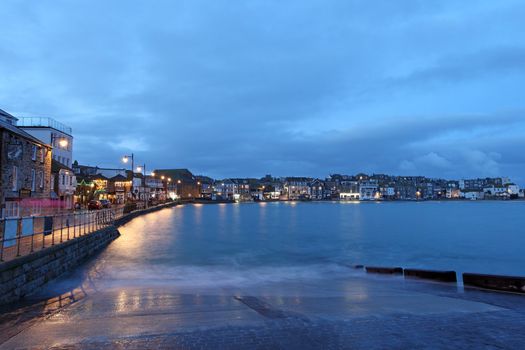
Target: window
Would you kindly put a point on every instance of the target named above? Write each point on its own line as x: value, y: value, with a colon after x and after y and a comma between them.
x: 52, y: 182
x: 41, y: 177
x: 33, y: 152
x: 42, y: 155
x: 33, y: 180
x: 34, y: 149
x: 12, y: 209
x: 14, y: 183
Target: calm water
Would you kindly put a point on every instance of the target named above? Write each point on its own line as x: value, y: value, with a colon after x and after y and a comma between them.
x: 242, y: 244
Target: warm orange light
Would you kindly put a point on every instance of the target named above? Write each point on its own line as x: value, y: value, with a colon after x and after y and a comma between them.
x: 63, y: 143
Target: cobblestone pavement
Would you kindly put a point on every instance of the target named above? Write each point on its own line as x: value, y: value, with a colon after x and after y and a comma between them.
x: 369, y: 314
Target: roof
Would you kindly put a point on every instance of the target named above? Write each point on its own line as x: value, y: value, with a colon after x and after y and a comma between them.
x: 17, y: 131
x: 5, y: 114
x: 298, y: 179
x: 56, y: 166
x: 176, y: 174
x: 204, y: 179
x: 90, y: 178
x: 119, y: 178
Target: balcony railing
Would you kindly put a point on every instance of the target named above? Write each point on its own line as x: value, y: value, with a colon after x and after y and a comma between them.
x: 45, y: 122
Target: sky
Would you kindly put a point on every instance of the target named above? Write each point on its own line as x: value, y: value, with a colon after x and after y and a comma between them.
x: 232, y: 88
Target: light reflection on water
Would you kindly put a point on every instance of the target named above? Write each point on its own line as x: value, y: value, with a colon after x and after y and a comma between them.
x: 226, y: 246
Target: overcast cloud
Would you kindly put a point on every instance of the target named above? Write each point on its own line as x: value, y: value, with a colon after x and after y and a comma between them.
x: 245, y: 88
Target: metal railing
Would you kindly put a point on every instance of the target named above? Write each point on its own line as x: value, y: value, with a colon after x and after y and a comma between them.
x: 45, y: 122
x: 23, y: 236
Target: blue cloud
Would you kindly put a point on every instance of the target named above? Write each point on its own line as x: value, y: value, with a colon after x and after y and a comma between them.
x: 249, y: 88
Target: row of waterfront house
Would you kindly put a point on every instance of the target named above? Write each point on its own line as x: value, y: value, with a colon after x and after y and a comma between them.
x: 360, y: 187
x: 40, y: 176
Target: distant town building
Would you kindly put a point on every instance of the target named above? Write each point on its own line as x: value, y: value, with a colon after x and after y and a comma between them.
x: 369, y: 190
x: 297, y: 188
x: 183, y: 183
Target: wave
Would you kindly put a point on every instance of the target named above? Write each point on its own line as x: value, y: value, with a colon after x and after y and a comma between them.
x: 217, y: 276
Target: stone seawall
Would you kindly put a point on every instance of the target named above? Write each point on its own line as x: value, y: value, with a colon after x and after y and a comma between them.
x: 24, y: 275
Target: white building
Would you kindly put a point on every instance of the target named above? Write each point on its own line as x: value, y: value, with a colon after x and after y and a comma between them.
x: 513, y: 189
x: 63, y: 184
x: 297, y: 188
x: 53, y: 133
x: 227, y: 189
x: 474, y: 195
x: 369, y: 191
x: 495, y: 191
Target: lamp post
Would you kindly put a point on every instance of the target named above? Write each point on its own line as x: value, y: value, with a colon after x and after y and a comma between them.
x: 125, y: 159
x: 142, y: 169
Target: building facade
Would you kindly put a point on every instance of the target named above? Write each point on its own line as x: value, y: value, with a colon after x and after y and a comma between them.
x: 25, y: 163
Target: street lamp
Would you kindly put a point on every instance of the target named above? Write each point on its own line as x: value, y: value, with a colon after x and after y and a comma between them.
x: 125, y: 159
x: 62, y: 141
x: 142, y: 169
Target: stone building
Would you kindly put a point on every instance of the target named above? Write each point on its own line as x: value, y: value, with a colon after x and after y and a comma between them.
x: 25, y: 163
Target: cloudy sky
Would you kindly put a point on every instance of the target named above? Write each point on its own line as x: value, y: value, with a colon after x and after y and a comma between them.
x: 245, y: 88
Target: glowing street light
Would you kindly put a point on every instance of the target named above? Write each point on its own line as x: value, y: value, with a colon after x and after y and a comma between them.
x: 125, y: 159
x: 141, y: 169
x: 62, y: 141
